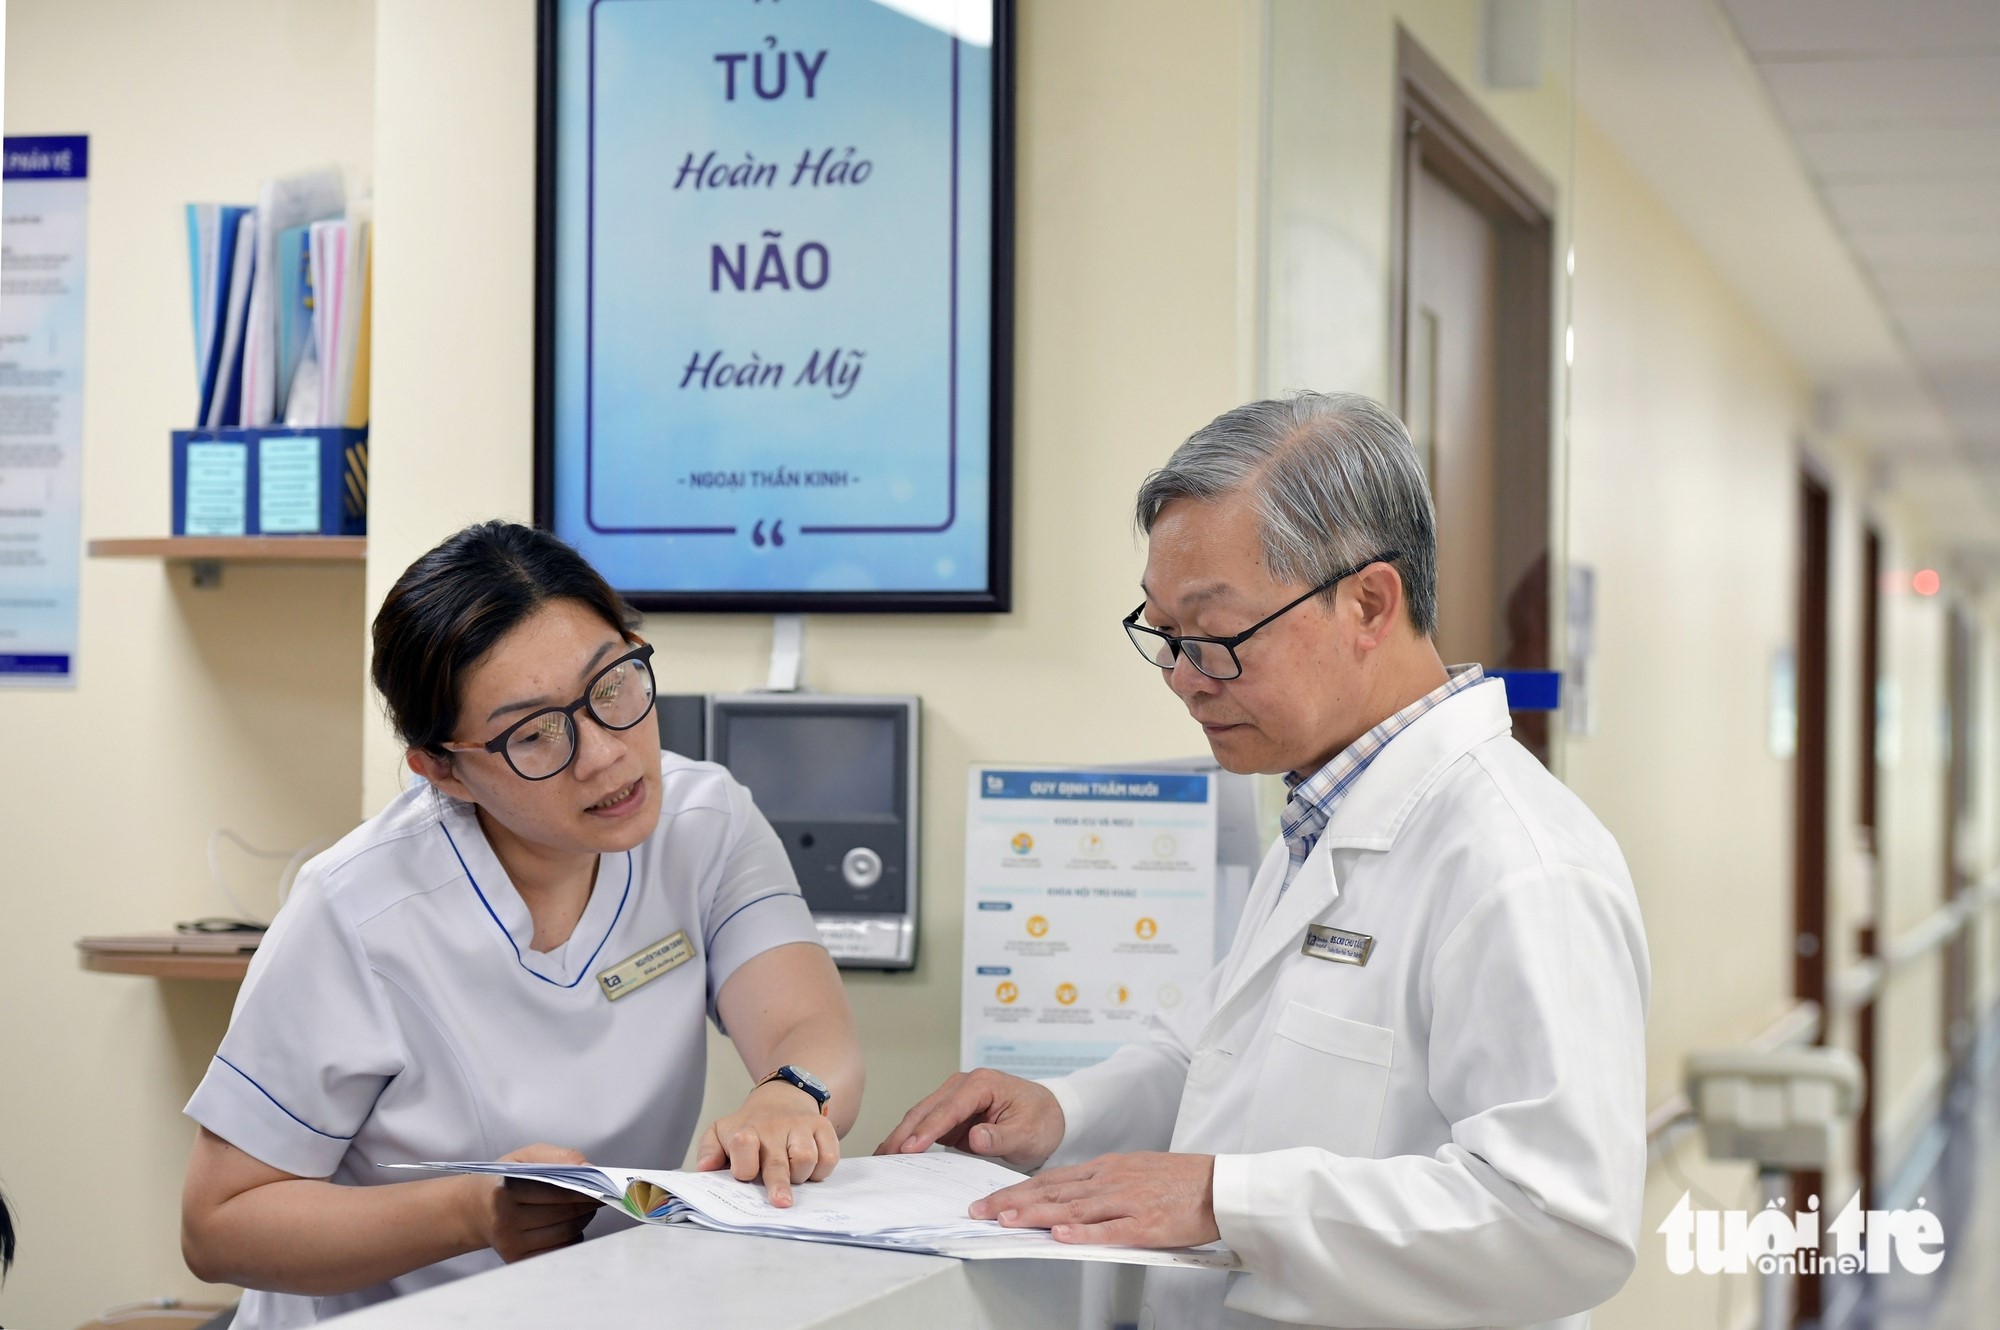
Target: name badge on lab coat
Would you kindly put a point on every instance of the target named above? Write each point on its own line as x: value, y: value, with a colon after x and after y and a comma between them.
x: 643, y: 967
x: 1334, y: 944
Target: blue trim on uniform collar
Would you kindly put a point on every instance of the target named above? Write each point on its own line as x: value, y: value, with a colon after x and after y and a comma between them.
x: 274, y: 1099
x: 518, y: 960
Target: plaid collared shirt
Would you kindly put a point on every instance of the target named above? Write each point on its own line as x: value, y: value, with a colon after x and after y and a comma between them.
x: 1313, y: 799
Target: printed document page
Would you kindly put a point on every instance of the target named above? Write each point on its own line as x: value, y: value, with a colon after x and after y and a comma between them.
x: 909, y: 1202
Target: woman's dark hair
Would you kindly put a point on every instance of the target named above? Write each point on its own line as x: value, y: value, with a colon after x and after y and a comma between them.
x: 450, y: 607
x: 6, y: 1238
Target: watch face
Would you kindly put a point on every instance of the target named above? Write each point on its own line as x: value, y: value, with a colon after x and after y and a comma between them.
x: 811, y: 1082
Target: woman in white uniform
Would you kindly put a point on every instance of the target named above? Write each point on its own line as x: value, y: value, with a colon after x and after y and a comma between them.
x: 513, y: 959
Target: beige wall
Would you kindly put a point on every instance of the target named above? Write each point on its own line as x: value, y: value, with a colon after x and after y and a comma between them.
x: 1127, y: 337
x: 1330, y: 158
x: 1158, y: 283
x: 1913, y: 856
x: 194, y: 709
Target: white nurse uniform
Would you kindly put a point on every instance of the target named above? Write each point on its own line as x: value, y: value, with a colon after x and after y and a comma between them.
x: 396, y: 1011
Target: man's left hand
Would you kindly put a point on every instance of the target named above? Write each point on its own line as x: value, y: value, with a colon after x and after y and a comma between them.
x: 1135, y: 1200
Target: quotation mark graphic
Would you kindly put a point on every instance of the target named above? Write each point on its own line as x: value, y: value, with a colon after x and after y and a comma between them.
x: 777, y: 536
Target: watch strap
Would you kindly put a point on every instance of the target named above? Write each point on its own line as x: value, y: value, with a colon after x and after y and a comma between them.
x: 801, y: 1080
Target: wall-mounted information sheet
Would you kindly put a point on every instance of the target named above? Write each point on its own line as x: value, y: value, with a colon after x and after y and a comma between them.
x: 1090, y: 904
x: 41, y: 407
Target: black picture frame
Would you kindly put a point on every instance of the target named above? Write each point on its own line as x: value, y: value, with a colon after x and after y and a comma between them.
x: 997, y: 595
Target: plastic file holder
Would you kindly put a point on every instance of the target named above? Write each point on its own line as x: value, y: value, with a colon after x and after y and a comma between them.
x: 270, y: 482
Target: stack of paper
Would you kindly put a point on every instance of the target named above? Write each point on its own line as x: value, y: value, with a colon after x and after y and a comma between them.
x: 221, y: 242
x: 339, y: 261
x: 912, y: 1203
x: 280, y: 295
x: 285, y: 208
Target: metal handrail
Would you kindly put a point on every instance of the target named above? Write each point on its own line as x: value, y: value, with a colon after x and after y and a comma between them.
x: 1936, y: 930
x: 1798, y: 1026
x: 1853, y: 989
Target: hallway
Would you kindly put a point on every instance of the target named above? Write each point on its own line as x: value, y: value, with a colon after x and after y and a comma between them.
x: 1963, y: 1189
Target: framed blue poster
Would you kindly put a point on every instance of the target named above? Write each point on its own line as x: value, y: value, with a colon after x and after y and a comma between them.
x: 774, y: 300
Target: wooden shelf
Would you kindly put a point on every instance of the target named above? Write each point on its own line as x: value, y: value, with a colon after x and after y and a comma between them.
x: 168, y: 967
x: 236, y: 549
x: 166, y: 956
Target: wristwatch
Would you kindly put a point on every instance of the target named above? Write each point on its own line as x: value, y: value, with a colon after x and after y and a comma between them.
x: 804, y: 1080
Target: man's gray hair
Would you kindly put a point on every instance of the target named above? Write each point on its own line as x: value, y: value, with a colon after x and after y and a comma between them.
x: 1334, y: 480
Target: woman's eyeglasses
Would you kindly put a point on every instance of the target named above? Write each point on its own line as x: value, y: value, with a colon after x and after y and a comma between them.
x: 543, y: 743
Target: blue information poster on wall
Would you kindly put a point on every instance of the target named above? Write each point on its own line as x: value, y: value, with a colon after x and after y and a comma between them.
x: 43, y: 245
x: 775, y: 300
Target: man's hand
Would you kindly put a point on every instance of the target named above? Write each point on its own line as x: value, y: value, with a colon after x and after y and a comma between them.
x: 518, y: 1218
x: 1136, y: 1200
x: 778, y: 1135
x: 983, y: 1112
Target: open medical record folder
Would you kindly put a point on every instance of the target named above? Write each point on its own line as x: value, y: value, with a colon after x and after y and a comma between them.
x: 913, y: 1203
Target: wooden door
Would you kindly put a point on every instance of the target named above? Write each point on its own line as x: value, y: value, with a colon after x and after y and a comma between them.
x: 1454, y: 288
x: 1869, y: 941
x: 1473, y: 352
x: 1809, y: 798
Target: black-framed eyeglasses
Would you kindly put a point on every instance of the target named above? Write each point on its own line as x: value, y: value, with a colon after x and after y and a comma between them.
x: 1165, y: 650
x: 543, y: 743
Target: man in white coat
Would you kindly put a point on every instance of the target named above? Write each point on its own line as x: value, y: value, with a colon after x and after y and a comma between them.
x: 1413, y: 1092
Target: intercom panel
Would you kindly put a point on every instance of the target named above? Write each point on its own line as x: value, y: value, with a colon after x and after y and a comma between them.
x: 837, y: 778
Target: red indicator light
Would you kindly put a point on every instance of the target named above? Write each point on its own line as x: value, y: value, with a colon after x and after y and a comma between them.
x: 1926, y: 582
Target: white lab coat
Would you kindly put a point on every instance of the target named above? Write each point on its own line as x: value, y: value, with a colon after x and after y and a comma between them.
x: 1450, y: 1135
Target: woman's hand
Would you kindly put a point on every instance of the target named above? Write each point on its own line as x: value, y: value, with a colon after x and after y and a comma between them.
x: 518, y: 1218
x: 778, y: 1135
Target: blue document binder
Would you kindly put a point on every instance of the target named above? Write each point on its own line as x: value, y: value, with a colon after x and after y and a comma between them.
x: 270, y: 482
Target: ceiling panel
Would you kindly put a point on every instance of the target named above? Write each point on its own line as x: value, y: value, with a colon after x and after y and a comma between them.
x: 1888, y: 249
x: 1945, y: 89
x: 1801, y: 27
x: 1944, y: 203
x: 1945, y: 291
x: 1888, y: 112
x: 1954, y: 490
x: 1947, y: 327
x: 1974, y: 390
x: 1857, y: 152
x: 1915, y: 278
x: 1927, y: 343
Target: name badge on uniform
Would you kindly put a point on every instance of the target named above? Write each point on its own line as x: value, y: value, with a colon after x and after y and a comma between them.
x: 642, y: 968
x: 1334, y: 944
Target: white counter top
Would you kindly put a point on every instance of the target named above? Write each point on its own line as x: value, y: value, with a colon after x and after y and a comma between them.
x: 660, y: 1275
